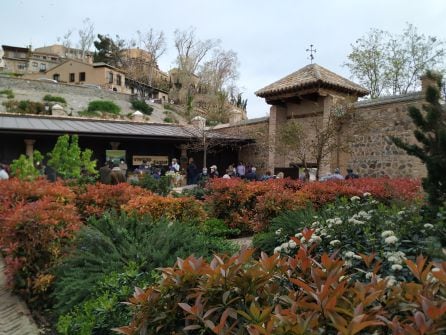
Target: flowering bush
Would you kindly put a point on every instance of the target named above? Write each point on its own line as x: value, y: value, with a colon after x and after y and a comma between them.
x: 94, y: 200
x: 184, y: 209
x: 362, y: 225
x: 295, y: 294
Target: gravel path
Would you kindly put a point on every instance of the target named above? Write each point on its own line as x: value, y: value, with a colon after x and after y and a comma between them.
x: 15, y: 318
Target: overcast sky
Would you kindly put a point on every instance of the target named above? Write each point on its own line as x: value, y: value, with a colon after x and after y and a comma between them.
x: 270, y: 37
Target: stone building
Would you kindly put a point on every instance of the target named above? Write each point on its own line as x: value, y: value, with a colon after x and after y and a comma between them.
x: 311, y: 96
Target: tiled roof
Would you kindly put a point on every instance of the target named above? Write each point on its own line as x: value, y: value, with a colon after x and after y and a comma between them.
x: 61, y: 125
x: 311, y: 76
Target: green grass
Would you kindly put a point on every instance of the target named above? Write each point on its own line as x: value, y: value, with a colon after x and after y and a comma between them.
x: 142, y: 106
x: 105, y: 106
x: 86, y: 113
x: 8, y: 92
x: 54, y: 98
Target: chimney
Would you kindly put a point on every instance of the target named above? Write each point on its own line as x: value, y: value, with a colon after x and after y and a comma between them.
x: 235, y: 116
x: 199, y: 122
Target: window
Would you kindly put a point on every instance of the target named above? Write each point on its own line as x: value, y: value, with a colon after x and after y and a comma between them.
x: 118, y: 79
x: 35, y: 64
x: 54, y: 58
x: 56, y: 76
x: 110, y: 77
x: 21, y: 66
x: 72, y: 78
x: 81, y: 76
x: 44, y: 57
x: 42, y: 67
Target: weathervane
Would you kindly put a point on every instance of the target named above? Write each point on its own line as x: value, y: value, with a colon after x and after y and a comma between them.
x: 311, y: 51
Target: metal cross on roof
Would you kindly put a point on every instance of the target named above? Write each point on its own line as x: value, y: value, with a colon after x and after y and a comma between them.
x: 311, y: 51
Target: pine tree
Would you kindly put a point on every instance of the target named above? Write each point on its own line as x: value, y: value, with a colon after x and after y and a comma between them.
x: 431, y: 134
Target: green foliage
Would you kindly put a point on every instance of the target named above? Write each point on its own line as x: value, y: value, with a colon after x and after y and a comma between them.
x: 103, y: 310
x: 111, y: 243
x: 54, y: 98
x: 142, y: 106
x: 431, y: 150
x: 169, y: 107
x: 69, y: 160
x: 25, y: 107
x: 161, y: 186
x: 360, y: 226
x: 109, y: 50
x: 8, y: 92
x: 168, y: 119
x: 24, y: 167
x: 216, y: 227
x: 104, y: 106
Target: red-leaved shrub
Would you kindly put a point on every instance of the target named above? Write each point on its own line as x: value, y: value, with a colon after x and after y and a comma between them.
x: 182, y: 209
x: 38, y: 219
x: 95, y: 199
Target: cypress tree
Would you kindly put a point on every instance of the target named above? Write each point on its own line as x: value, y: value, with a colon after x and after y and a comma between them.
x: 431, y: 147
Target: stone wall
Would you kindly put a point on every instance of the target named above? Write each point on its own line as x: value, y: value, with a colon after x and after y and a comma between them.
x: 372, y: 153
x: 77, y: 97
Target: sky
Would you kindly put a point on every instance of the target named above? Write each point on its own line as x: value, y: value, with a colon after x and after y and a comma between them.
x: 269, y: 37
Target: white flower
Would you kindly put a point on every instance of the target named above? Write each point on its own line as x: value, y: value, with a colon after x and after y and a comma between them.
x: 391, y: 281
x: 428, y: 226
x: 314, y: 224
x: 397, y: 267
x: 335, y: 243
x: 387, y: 233
x: 337, y: 221
x: 277, y: 249
x: 355, y: 198
x: 391, y: 240
x: 400, y: 213
x: 353, y: 220
x: 357, y: 257
x: 349, y: 254
x: 315, y: 239
x: 368, y: 275
x: 366, y: 194
x: 279, y: 231
x: 292, y: 244
x: 298, y: 235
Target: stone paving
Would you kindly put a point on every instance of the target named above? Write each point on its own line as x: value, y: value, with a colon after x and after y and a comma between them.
x: 15, y: 318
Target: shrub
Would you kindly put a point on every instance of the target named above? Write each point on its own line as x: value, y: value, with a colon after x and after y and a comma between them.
x: 24, y: 167
x: 111, y: 243
x: 168, y: 119
x: 287, y: 295
x: 25, y: 107
x: 54, y: 98
x: 142, y: 106
x: 35, y: 229
x: 104, y: 106
x: 69, y: 160
x: 86, y: 113
x: 8, y: 92
x: 94, y: 200
x: 161, y: 186
x: 354, y: 227
x: 183, y: 209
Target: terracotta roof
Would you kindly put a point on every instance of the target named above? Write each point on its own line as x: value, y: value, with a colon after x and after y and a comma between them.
x: 311, y: 76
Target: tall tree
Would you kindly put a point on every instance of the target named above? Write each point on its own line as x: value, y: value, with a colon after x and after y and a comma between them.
x: 154, y: 42
x: 86, y: 37
x: 431, y: 147
x: 388, y: 63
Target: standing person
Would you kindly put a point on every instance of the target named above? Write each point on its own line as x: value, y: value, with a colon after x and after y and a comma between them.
x: 203, y: 177
x: 104, y: 174
x: 123, y: 166
x: 145, y: 167
x: 192, y: 172
x: 351, y: 175
x: 3, y: 174
x: 214, y: 172
x: 116, y: 175
x: 241, y: 170
x: 175, y: 167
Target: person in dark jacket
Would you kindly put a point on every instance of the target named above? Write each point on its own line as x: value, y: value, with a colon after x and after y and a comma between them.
x: 104, y: 174
x: 116, y: 176
x: 351, y: 175
x: 192, y: 172
x: 252, y: 175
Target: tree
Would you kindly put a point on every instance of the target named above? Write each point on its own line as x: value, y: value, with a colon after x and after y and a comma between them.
x: 109, y: 50
x: 431, y: 147
x: 24, y: 168
x: 86, y: 37
x: 69, y: 161
x: 155, y: 44
x: 388, y: 63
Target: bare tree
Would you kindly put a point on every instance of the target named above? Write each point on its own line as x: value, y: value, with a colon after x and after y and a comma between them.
x: 191, y: 50
x: 86, y: 37
x: 65, y: 40
x: 154, y: 43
